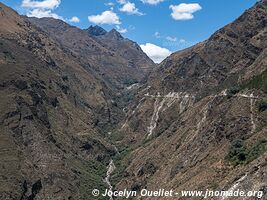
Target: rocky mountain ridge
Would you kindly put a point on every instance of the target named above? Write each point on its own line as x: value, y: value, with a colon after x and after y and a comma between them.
x: 109, y: 54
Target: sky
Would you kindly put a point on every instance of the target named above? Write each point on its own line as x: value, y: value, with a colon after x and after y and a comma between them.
x: 160, y: 27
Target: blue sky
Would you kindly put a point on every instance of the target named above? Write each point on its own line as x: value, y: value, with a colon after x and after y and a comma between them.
x: 168, y: 24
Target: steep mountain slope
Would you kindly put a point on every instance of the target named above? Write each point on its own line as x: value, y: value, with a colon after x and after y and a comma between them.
x: 54, y: 110
x: 119, y: 61
x: 124, y: 47
x: 219, y: 62
x: 200, y: 121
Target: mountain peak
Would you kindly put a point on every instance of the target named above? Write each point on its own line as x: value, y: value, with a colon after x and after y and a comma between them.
x: 96, y: 30
x: 114, y: 34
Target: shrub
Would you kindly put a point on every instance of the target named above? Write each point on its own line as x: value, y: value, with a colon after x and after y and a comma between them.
x: 121, y: 162
x: 232, y: 91
x: 8, y: 56
x: 129, y: 82
x: 262, y: 106
x: 241, y: 154
x: 258, y: 82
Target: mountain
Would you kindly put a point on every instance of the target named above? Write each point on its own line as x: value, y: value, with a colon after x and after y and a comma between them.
x: 219, y: 62
x: 118, y: 60
x: 200, y: 120
x: 56, y: 108
x: 87, y: 109
x: 96, y: 31
x: 125, y: 47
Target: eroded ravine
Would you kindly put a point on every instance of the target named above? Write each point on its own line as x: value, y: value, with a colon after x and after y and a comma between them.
x: 110, y: 169
x: 162, y: 102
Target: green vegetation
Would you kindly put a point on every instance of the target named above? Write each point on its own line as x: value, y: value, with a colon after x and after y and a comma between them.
x: 124, y: 99
x: 239, y: 153
x: 127, y: 97
x: 258, y: 82
x: 147, y: 141
x: 8, y: 56
x: 262, y: 105
x: 90, y: 175
x: 233, y: 90
x: 116, y: 136
x: 129, y: 82
x: 121, y: 162
x: 65, y: 78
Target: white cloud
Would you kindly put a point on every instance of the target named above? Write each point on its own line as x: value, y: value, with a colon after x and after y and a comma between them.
x: 74, y: 19
x: 106, y: 17
x: 152, y: 2
x: 130, y: 9
x: 184, y: 11
x: 121, y: 30
x: 122, y: 1
x: 46, y: 4
x: 156, y: 53
x: 41, y: 9
x: 172, y: 39
x: 40, y: 13
x: 111, y: 5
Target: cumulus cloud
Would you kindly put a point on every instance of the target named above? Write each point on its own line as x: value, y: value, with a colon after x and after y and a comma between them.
x: 74, y: 19
x: 130, y: 8
x: 184, y: 11
x: 46, y: 4
x: 39, y: 13
x: 156, y: 53
x: 172, y: 39
x: 106, y: 17
x: 121, y: 30
x: 152, y: 2
x: 41, y: 9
